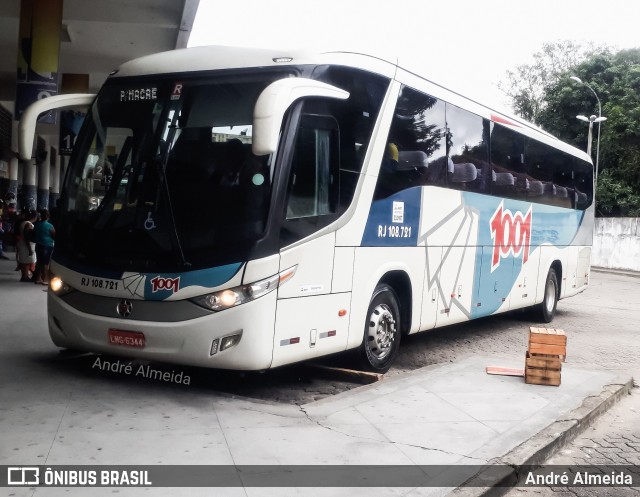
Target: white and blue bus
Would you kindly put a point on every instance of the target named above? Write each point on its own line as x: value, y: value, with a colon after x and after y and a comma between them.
x: 245, y: 209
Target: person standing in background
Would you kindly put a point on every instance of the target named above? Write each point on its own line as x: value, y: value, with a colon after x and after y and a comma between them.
x: 25, y: 247
x: 44, y: 235
x: 2, y: 256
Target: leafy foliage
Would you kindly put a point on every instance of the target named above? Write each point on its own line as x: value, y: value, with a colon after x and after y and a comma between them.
x: 526, y: 84
x: 616, y: 198
x: 615, y: 78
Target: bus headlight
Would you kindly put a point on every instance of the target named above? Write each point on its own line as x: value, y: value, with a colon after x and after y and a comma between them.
x: 231, y: 297
x: 58, y: 286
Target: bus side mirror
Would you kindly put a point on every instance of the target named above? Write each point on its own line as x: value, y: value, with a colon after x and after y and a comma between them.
x: 273, y: 102
x: 27, y: 126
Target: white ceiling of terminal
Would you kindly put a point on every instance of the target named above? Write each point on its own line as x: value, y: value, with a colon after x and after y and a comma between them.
x: 102, y: 35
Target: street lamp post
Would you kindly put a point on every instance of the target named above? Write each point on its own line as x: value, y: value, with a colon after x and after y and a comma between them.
x: 591, y: 120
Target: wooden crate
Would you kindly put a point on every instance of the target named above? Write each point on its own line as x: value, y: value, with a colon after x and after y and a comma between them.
x: 542, y: 369
x: 549, y: 341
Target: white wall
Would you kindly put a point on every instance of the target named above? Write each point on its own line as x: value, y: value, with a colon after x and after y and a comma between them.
x: 616, y: 243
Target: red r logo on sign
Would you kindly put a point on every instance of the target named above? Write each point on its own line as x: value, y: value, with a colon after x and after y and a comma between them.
x: 511, y: 234
x: 177, y: 91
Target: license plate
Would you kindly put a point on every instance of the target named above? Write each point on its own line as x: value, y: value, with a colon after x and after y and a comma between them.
x: 133, y: 339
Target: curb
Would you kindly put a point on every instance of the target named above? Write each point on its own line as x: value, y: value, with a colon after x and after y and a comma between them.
x: 535, y: 451
x: 623, y: 272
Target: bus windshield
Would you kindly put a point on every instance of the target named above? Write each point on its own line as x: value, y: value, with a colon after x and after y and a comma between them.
x: 163, y: 177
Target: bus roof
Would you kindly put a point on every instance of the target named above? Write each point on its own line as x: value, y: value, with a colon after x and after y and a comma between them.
x: 211, y: 58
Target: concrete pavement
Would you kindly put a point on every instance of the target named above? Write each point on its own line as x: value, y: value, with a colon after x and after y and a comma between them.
x: 59, y: 410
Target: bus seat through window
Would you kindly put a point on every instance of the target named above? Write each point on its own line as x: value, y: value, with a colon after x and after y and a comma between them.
x: 504, y: 179
x: 412, y: 160
x: 582, y: 199
x: 535, y: 189
x: 464, y: 173
x: 549, y: 189
x: 562, y: 196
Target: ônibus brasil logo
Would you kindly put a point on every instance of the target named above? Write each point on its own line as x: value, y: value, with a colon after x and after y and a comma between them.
x: 511, y: 234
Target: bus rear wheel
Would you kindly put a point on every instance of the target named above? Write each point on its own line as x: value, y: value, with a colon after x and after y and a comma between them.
x: 546, y: 310
x: 381, y: 331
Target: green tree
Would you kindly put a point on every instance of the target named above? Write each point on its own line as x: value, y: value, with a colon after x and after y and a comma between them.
x: 615, y: 197
x: 616, y: 80
x: 526, y: 84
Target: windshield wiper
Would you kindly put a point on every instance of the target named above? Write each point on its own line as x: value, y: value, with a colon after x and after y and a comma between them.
x: 112, y: 190
x: 161, y: 165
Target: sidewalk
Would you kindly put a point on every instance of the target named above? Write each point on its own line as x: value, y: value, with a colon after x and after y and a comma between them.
x: 613, y: 440
x: 58, y: 411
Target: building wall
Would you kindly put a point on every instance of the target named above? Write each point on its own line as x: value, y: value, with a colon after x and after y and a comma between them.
x: 616, y: 243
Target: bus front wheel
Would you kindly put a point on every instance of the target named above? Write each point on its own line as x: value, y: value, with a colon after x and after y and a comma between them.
x: 381, y: 331
x: 547, y: 308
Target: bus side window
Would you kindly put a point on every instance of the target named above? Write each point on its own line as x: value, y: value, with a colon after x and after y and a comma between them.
x: 415, y: 154
x: 507, y: 161
x: 468, y: 138
x: 313, y: 190
x: 559, y: 179
x: 563, y: 180
x: 583, y: 184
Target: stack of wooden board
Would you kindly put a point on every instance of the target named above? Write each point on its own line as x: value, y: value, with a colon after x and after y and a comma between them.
x: 547, y: 350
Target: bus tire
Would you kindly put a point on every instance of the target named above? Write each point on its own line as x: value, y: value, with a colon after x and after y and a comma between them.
x: 381, y: 331
x: 546, y: 310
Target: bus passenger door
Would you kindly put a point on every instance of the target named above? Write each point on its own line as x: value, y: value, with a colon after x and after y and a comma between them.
x: 310, y: 319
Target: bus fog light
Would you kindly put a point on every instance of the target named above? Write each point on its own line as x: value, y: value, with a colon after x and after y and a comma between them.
x: 214, y: 346
x: 230, y: 341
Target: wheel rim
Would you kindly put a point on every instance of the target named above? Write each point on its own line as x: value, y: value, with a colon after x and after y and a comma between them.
x: 550, y: 296
x: 382, y: 331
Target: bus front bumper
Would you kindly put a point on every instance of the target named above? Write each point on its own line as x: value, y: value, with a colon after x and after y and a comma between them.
x: 194, y: 342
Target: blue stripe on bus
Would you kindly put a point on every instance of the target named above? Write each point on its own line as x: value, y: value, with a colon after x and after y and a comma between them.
x: 207, y: 278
